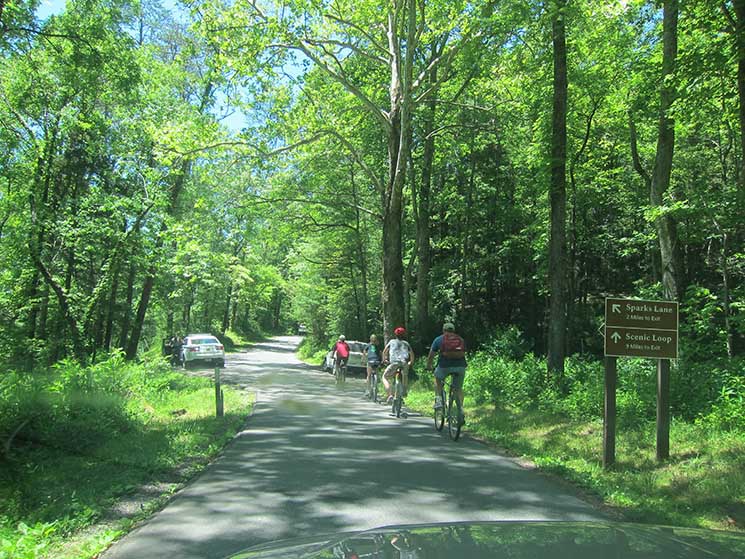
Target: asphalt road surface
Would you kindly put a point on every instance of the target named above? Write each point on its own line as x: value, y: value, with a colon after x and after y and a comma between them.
x: 316, y: 459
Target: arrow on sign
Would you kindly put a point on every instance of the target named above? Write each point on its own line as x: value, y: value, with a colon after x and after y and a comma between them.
x: 616, y: 336
x: 616, y: 308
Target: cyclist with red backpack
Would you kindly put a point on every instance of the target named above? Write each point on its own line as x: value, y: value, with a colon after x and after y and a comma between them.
x: 452, y: 361
x: 341, y: 352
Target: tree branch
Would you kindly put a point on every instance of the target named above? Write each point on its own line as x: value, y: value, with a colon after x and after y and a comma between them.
x: 364, y: 33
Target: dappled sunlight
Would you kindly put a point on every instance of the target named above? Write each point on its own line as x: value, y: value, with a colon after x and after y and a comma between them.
x: 317, y: 458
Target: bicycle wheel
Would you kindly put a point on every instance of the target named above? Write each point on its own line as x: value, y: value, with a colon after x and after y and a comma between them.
x: 440, y: 413
x: 397, y: 397
x: 374, y: 387
x: 454, y: 424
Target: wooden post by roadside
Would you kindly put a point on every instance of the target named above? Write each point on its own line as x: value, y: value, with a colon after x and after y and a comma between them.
x: 663, y: 409
x: 218, y: 394
x: 609, y: 418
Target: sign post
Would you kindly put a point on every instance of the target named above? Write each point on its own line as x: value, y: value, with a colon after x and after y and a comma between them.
x: 609, y: 420
x: 219, y: 410
x: 636, y: 328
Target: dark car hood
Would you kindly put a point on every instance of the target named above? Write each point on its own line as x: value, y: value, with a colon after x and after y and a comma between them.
x: 513, y: 540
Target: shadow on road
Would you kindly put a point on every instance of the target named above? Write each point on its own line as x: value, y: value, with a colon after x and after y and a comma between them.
x: 316, y: 459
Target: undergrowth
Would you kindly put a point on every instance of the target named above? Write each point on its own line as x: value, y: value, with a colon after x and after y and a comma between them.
x: 76, y: 439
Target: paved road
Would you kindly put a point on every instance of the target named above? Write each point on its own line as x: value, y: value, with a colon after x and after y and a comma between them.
x: 315, y: 459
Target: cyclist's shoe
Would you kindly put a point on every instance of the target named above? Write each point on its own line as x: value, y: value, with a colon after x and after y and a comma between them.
x: 438, y: 403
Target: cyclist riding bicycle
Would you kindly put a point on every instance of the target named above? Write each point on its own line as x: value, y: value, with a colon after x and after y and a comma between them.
x: 371, y: 356
x: 400, y: 355
x: 341, y: 352
x: 452, y: 361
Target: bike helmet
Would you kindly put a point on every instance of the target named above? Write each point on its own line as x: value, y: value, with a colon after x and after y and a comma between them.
x: 400, y: 332
x: 342, y: 338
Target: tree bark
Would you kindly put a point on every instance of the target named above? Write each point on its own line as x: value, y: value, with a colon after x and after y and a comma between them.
x: 110, y: 306
x: 557, y: 246
x: 666, y: 225
x: 739, y: 6
x: 424, y: 252
x: 127, y: 315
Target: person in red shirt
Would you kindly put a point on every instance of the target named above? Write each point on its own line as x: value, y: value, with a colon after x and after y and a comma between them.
x: 341, y: 352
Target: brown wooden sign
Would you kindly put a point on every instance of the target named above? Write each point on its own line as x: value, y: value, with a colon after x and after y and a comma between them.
x: 636, y: 328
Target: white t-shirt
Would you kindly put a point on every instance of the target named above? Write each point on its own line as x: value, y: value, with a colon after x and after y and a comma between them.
x: 398, y: 351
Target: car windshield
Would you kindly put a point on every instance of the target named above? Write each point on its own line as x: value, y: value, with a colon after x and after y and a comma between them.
x: 202, y: 341
x: 357, y: 347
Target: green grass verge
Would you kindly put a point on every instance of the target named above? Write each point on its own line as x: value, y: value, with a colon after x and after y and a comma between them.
x: 70, y: 502
x: 701, y: 485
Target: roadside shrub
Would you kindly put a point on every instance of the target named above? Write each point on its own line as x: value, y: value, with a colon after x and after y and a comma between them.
x: 508, y: 343
x: 485, y: 378
x: 728, y: 412
x: 500, y: 381
x: 584, y: 382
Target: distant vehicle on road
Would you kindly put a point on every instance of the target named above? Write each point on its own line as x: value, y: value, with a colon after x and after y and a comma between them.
x: 355, y: 361
x: 202, y: 348
x: 302, y: 330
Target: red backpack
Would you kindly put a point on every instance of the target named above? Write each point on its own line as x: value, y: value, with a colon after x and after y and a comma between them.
x: 453, y: 346
x: 342, y: 349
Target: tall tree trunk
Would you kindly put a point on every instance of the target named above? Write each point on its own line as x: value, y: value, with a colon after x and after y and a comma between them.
x: 41, y: 330
x: 739, y: 6
x: 33, y: 295
x: 557, y: 248
x: 466, y: 246
x: 149, y: 282
x: 226, y: 314
x: 127, y: 315
x: 178, y: 184
x: 361, y: 259
x: 666, y: 225
x: 424, y: 252
x: 110, y: 307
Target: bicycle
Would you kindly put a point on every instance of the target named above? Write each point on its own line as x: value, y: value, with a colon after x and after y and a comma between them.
x: 372, y: 386
x: 398, y: 392
x: 450, y: 410
x: 340, y: 371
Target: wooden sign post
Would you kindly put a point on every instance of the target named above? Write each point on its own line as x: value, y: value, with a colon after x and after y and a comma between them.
x: 219, y: 410
x: 635, y: 328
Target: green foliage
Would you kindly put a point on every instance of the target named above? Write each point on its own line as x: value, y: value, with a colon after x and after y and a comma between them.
x: 80, y: 437
x: 728, y: 411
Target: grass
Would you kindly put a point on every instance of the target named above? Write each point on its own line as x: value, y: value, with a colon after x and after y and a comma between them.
x: 701, y: 485
x: 70, y: 498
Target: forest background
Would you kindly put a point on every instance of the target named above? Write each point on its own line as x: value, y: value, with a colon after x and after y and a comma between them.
x: 245, y: 167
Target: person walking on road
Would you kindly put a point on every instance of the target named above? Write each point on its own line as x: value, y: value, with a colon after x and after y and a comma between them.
x: 451, y: 361
x: 398, y: 353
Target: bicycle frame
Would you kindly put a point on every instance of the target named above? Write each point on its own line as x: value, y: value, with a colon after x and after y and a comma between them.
x: 450, y: 410
x: 340, y: 371
x: 373, y: 383
x: 398, y: 392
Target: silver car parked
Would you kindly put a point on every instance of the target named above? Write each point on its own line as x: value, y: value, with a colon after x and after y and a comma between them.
x: 202, y: 347
x: 355, y: 360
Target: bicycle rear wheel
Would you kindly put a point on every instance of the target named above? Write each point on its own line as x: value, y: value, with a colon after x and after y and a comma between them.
x: 374, y: 387
x: 440, y: 413
x: 454, y: 413
x: 398, y: 396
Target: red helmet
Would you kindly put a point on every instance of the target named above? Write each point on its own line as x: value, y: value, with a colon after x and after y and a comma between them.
x: 400, y: 332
